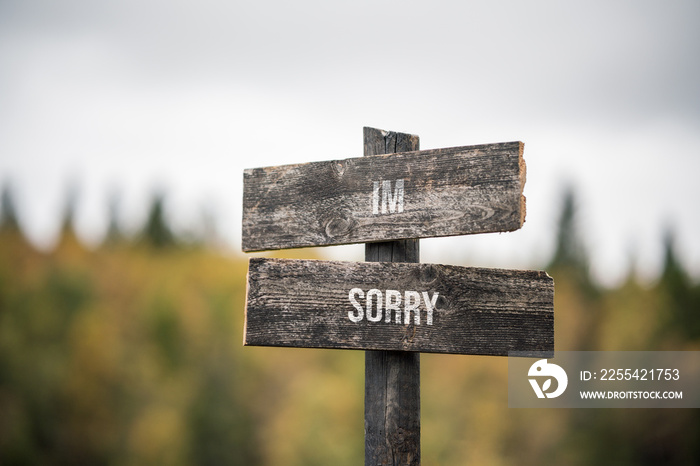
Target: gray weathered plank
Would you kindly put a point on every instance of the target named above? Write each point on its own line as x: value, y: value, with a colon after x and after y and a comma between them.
x: 306, y: 303
x: 446, y: 192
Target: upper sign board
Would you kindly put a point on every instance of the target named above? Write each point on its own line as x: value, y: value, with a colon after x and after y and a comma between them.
x: 427, y: 193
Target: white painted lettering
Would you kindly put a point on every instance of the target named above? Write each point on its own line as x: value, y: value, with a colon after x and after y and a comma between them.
x: 411, y: 303
x: 430, y: 306
x: 393, y: 303
x: 360, y: 312
x: 388, y: 201
x: 378, y: 315
x: 375, y: 198
x: 391, y: 199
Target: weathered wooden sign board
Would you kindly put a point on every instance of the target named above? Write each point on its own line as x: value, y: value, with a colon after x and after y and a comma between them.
x: 428, y: 193
x: 398, y: 306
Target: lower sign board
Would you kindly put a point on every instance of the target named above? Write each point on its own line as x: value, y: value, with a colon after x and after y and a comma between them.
x: 398, y: 306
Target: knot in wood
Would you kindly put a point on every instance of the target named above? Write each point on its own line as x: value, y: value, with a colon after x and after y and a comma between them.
x: 442, y: 303
x: 409, y: 335
x: 399, y: 436
x: 428, y: 274
x: 338, y: 168
x: 338, y: 227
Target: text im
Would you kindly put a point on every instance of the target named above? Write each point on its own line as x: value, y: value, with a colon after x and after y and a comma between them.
x: 389, y: 201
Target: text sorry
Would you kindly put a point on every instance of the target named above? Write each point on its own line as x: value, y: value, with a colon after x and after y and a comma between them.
x: 380, y: 304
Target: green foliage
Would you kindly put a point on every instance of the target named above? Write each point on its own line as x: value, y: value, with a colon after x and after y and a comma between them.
x: 570, y: 258
x: 114, y: 233
x: 157, y: 232
x: 69, y: 209
x: 569, y: 250
x: 682, y: 298
x: 8, y: 212
x: 120, y: 355
x: 166, y: 331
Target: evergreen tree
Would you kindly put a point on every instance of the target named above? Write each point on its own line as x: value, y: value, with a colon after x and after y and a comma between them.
x: 10, y: 230
x: 68, y: 241
x: 157, y: 232
x: 68, y: 218
x: 673, y: 276
x: 570, y: 255
x: 569, y: 251
x: 8, y: 213
x: 114, y: 233
x: 682, y: 297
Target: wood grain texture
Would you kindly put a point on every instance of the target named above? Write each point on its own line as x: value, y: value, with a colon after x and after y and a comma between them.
x: 454, y: 191
x: 392, y: 410
x: 392, y: 378
x: 303, y: 303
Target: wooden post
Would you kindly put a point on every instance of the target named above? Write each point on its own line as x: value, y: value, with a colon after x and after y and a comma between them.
x: 392, y: 378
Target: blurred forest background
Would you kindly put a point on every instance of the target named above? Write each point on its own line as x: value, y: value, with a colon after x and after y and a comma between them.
x: 131, y: 353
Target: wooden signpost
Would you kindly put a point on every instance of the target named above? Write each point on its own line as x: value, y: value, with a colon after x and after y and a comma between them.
x: 392, y: 306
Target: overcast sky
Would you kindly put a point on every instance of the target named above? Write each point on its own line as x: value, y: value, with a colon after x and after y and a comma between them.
x: 133, y: 96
